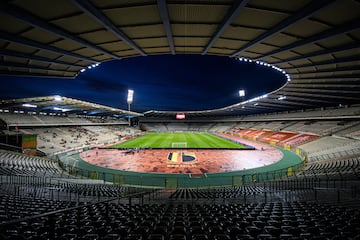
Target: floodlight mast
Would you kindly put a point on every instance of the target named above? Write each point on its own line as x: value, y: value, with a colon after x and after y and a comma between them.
x: 130, y: 99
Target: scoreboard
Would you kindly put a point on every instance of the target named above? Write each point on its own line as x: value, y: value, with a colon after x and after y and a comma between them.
x: 180, y: 116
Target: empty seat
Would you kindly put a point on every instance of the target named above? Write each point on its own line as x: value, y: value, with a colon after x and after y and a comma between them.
x: 156, y: 237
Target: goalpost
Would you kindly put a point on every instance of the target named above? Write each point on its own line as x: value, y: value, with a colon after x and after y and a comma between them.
x: 179, y: 144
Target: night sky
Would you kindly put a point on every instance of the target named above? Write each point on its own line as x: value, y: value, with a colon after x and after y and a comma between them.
x: 164, y: 82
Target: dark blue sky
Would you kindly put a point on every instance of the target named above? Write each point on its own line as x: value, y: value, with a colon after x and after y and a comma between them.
x: 164, y: 82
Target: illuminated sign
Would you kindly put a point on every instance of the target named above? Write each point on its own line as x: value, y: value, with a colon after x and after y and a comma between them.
x: 180, y: 116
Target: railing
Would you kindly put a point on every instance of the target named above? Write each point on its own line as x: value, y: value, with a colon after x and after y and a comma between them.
x: 10, y: 148
x: 49, y: 218
x: 174, y: 181
x: 335, y: 191
x: 68, y: 189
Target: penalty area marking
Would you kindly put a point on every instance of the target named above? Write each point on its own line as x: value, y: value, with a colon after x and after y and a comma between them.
x: 179, y: 144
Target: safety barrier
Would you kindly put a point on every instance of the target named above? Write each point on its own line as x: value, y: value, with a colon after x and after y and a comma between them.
x: 289, y: 166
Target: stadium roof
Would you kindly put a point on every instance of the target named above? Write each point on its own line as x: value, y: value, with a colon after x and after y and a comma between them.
x: 59, y: 104
x: 315, y: 42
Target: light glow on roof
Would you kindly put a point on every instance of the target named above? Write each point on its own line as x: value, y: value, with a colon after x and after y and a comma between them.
x: 255, y: 99
x: 58, y: 98
x: 29, y: 105
x: 288, y: 78
x: 244, y: 59
x: 61, y: 109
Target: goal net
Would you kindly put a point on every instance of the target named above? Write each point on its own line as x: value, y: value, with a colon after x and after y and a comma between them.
x: 179, y: 145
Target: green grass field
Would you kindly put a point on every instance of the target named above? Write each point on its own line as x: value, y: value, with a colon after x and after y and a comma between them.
x: 180, y: 140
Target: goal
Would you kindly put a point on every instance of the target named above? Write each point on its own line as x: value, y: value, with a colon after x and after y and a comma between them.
x: 179, y: 144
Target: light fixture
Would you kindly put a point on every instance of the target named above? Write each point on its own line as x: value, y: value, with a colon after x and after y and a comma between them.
x: 242, y: 93
x: 29, y: 105
x: 130, y: 96
x: 57, y: 98
x: 90, y: 67
x: 244, y: 59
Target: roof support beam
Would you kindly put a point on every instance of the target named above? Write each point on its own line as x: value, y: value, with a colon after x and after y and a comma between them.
x: 232, y: 111
x: 307, y: 11
x: 165, y: 19
x: 21, y: 40
x: 322, y: 90
x: 324, y: 80
x: 326, y: 97
x: 326, y: 62
x: 262, y: 105
x: 27, y: 74
x: 324, y: 85
x: 230, y: 16
x: 37, y: 22
x: 303, y: 99
x: 329, y: 95
x: 321, y: 52
x: 342, y: 29
x: 36, y: 58
x: 286, y: 102
x: 98, y: 16
x: 331, y: 78
x: 332, y: 71
x: 29, y: 66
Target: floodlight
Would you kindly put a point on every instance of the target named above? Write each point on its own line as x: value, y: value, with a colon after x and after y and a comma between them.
x: 130, y: 96
x: 241, y: 93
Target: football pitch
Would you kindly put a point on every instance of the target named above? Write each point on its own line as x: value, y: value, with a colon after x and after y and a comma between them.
x: 180, y: 141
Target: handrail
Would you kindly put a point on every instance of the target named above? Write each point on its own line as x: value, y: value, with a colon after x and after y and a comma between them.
x: 10, y: 147
x: 230, y: 179
x: 332, y: 188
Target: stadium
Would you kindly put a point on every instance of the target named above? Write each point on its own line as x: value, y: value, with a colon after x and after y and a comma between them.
x: 284, y: 164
